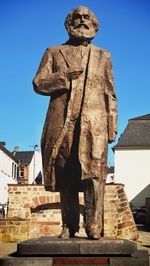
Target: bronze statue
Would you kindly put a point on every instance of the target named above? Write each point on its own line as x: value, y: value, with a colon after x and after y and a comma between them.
x: 81, y: 120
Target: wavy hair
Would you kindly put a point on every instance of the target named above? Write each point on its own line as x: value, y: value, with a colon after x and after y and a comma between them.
x: 69, y: 18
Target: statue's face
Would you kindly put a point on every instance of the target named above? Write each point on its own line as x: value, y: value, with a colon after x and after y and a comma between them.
x: 82, y: 25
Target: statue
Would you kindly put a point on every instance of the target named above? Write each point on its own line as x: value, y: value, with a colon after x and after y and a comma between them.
x: 81, y: 120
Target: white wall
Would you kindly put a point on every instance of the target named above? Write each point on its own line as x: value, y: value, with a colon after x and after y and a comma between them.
x: 110, y: 178
x: 132, y: 168
x: 35, y: 166
x: 6, y: 175
x: 5, y: 164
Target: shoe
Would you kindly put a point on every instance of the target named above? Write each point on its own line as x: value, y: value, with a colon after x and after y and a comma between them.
x: 93, y: 233
x: 94, y: 236
x: 74, y: 233
x: 64, y: 232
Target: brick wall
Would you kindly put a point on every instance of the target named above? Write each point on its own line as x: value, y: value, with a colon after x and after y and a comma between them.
x: 118, y: 218
x: 34, y: 212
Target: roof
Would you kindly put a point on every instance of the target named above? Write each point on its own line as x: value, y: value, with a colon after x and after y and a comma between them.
x: 136, y: 135
x: 8, y: 153
x: 143, y: 117
x: 24, y: 157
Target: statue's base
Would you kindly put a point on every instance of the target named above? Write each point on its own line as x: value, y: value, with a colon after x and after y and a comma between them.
x: 76, y: 246
x: 48, y: 251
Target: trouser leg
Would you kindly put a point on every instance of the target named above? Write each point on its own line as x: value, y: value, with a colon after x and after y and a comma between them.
x: 70, y: 210
x: 74, y: 213
x: 94, y: 200
x: 64, y: 199
x: 69, y: 172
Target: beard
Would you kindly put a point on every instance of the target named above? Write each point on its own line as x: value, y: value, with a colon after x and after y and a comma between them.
x: 82, y: 32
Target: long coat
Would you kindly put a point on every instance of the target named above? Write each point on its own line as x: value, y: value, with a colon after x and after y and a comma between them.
x: 98, y: 118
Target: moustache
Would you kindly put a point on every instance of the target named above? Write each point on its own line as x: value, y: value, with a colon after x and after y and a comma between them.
x: 80, y: 25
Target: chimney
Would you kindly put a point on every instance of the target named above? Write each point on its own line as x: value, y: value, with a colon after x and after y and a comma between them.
x: 3, y: 143
x: 16, y: 149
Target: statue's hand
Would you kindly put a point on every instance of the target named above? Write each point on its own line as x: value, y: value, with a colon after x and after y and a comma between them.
x: 113, y: 137
x: 74, y: 73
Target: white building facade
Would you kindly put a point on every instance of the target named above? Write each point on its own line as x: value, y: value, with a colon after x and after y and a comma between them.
x: 35, y: 167
x: 30, y: 167
x: 132, y: 160
x: 8, y: 172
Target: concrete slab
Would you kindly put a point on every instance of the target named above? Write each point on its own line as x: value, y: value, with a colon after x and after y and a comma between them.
x: 52, y: 251
x: 139, y: 260
x: 26, y: 261
x: 78, y: 246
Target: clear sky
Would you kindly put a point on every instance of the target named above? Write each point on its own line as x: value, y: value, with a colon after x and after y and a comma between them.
x: 28, y: 27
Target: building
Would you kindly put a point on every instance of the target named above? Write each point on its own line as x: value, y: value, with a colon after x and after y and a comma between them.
x: 110, y: 175
x: 30, y: 164
x: 8, y: 172
x: 132, y: 160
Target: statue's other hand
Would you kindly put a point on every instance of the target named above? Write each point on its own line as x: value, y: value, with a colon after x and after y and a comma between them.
x: 112, y: 139
x: 74, y: 73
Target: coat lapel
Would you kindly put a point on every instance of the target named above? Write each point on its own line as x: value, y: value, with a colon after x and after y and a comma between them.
x: 94, y: 61
x: 64, y: 53
x: 68, y: 53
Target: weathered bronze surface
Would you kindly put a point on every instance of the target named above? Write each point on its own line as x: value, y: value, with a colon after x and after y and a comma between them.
x: 81, y: 120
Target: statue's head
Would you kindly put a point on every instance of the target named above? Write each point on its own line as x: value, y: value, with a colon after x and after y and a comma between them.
x: 81, y: 24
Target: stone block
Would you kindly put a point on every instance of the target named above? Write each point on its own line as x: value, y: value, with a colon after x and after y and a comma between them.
x: 27, y: 261
x: 135, y: 257
x: 53, y: 245
x: 140, y: 258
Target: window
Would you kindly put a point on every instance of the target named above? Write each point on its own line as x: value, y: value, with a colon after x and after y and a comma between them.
x: 21, y: 172
x: 12, y: 169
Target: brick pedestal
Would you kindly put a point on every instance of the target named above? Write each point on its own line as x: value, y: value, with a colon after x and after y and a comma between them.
x: 34, y: 212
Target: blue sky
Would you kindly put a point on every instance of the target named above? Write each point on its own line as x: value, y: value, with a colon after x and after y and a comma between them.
x: 28, y: 27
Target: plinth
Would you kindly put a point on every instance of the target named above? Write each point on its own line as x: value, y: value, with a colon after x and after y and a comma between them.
x: 52, y: 251
x: 76, y: 246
